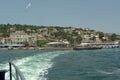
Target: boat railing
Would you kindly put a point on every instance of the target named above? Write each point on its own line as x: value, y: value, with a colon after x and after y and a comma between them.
x: 19, y: 75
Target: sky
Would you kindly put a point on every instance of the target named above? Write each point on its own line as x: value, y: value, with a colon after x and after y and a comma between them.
x: 100, y: 15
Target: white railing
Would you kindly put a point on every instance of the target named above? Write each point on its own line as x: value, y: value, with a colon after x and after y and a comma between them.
x: 19, y: 75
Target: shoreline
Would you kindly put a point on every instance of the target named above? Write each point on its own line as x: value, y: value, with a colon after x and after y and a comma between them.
x: 52, y: 48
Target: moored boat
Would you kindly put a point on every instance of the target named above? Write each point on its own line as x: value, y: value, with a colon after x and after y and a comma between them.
x: 86, y: 48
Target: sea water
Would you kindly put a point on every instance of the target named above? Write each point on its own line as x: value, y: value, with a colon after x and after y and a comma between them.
x: 103, y: 64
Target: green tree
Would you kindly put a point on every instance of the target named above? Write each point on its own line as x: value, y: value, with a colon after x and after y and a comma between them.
x: 26, y: 43
x: 41, y: 42
x: 74, y: 34
x: 101, y: 35
x: 94, y: 38
x: 6, y: 34
x: 78, y: 39
x: 113, y: 37
x: 60, y: 34
x: 70, y: 39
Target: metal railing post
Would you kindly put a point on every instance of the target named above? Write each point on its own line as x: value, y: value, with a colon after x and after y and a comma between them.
x: 10, y: 67
x: 19, y: 75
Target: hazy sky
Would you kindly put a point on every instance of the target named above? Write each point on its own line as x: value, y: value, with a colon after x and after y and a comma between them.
x: 101, y: 15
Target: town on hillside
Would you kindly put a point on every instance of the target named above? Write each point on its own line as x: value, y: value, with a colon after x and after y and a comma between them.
x: 25, y: 36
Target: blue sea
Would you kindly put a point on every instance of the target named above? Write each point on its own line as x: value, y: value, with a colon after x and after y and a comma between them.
x: 103, y: 64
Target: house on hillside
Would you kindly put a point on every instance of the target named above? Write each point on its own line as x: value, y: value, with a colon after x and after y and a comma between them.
x: 40, y: 37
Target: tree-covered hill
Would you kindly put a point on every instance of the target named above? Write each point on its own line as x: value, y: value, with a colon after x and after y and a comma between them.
x: 69, y: 33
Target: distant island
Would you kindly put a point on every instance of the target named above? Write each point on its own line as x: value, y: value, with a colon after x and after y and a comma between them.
x: 32, y: 35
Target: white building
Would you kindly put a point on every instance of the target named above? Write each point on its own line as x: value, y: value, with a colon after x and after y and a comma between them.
x: 32, y: 38
x: 86, y: 37
x: 19, y: 37
x: 58, y: 44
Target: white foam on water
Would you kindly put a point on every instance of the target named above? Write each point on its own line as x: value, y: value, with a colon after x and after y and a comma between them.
x: 36, y: 67
x: 104, y: 72
x: 115, y: 71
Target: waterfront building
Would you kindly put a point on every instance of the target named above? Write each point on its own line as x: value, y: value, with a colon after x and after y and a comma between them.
x: 32, y: 38
x: 1, y: 38
x: 97, y: 39
x: 58, y: 44
x: 19, y: 37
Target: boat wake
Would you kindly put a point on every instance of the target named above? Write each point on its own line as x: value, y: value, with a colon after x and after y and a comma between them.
x: 35, y: 67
